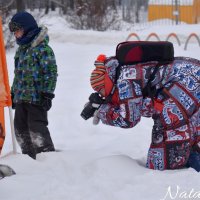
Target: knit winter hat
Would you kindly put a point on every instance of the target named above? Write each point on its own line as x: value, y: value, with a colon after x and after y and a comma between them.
x: 23, y: 20
x: 97, y: 78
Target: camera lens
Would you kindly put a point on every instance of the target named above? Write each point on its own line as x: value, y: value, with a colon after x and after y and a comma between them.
x: 88, y: 111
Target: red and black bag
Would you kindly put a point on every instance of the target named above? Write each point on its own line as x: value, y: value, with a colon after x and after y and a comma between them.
x: 133, y: 52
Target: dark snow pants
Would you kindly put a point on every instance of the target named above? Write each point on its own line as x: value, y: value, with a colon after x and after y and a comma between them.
x: 31, y: 130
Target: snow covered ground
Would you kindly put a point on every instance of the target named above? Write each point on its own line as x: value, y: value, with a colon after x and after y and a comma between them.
x: 93, y: 162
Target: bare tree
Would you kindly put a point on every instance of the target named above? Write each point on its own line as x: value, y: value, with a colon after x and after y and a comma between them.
x: 138, y: 5
x: 90, y: 14
x: 20, y: 5
x: 46, y: 6
x: 127, y: 10
x: 71, y: 4
x: 83, y: 14
x: 53, y: 6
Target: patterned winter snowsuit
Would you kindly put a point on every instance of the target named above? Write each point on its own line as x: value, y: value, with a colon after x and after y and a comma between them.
x: 174, y: 109
x: 35, y: 75
x: 35, y: 70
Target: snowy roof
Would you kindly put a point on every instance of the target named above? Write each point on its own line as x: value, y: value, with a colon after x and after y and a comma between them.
x: 169, y: 2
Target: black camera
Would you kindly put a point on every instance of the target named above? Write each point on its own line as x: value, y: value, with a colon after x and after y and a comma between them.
x: 89, y: 110
x: 94, y: 103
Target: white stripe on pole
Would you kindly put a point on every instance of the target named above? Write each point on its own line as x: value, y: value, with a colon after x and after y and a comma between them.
x: 12, y: 130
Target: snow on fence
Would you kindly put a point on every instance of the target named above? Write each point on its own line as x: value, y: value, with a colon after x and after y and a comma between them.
x: 174, y: 35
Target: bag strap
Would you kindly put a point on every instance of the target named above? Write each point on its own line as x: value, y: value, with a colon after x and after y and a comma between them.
x: 109, y: 97
x: 149, y: 90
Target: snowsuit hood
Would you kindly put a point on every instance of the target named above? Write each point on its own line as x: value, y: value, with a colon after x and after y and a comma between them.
x: 24, y: 20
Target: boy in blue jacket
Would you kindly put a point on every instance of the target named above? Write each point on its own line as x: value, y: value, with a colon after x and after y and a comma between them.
x: 34, y: 84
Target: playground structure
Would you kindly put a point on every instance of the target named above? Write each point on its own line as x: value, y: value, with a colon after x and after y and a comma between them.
x: 174, y: 35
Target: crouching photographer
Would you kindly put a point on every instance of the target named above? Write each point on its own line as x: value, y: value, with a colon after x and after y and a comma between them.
x: 144, y: 79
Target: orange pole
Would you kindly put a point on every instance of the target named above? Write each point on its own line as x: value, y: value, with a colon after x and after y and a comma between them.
x: 5, y: 97
x: 3, y: 63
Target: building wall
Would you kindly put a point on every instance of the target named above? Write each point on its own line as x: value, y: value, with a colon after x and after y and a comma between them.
x: 197, y: 10
x: 187, y: 13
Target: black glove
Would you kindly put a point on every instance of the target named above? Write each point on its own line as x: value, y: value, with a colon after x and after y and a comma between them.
x: 47, y: 100
x: 13, y: 104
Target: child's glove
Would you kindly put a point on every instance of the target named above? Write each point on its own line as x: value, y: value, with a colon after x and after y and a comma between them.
x: 47, y: 101
x: 95, y: 120
x: 96, y: 99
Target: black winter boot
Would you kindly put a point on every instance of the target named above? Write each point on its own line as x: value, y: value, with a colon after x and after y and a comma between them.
x: 31, y: 153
